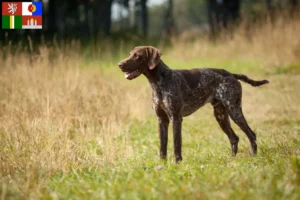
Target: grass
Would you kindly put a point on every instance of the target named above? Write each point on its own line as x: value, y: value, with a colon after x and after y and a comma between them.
x: 71, y: 127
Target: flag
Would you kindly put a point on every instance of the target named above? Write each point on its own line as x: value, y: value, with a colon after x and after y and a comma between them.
x: 32, y: 8
x: 11, y: 8
x: 32, y: 22
x: 12, y: 22
x: 22, y: 15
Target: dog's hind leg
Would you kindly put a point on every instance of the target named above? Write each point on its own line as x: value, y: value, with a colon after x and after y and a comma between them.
x: 236, y: 114
x: 222, y: 118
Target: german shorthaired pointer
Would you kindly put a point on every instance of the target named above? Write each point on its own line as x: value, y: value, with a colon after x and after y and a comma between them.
x: 179, y: 93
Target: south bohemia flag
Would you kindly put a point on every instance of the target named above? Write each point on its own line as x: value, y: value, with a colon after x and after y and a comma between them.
x: 22, y: 15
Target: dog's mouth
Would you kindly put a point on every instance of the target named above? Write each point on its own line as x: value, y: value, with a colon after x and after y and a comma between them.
x: 133, y: 74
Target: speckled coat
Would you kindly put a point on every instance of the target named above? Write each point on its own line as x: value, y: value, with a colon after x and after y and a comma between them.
x: 179, y: 93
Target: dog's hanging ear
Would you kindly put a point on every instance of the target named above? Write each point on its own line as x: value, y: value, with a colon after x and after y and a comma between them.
x: 153, y: 57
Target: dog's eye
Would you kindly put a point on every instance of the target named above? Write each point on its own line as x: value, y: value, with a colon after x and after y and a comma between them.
x: 137, y: 57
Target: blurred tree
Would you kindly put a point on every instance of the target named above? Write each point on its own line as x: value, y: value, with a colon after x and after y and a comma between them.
x: 294, y: 6
x: 52, y: 23
x: 276, y: 8
x: 232, y: 12
x: 294, y: 3
x: 123, y: 20
x: 85, y: 18
x: 215, y: 16
x: 102, y: 16
x: 144, y: 17
x: 196, y: 11
x: 222, y: 14
x: 190, y: 17
x: 140, y: 17
x: 269, y: 4
x: 136, y: 18
x: 136, y: 15
x: 170, y: 22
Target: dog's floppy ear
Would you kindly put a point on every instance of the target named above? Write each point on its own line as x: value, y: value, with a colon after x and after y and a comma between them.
x: 153, y: 57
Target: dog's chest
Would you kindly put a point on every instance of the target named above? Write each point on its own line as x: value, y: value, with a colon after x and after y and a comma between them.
x: 194, y: 99
x: 164, y: 100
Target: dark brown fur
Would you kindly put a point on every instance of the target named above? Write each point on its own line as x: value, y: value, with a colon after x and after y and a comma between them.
x: 179, y: 93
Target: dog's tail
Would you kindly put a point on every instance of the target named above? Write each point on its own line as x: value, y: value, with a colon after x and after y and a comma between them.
x: 245, y: 79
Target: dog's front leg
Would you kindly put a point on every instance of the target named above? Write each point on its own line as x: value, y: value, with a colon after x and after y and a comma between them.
x: 177, y: 121
x: 163, y: 124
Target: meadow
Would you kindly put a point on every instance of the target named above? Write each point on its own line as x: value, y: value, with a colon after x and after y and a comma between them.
x: 72, y: 127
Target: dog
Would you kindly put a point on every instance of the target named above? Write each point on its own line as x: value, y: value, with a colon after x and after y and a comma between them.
x: 179, y: 93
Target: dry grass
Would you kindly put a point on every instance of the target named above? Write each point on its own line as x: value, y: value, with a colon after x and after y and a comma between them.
x: 59, y: 114
x: 50, y: 113
x: 273, y: 44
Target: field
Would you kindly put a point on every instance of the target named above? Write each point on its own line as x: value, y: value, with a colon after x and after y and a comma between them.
x: 72, y: 127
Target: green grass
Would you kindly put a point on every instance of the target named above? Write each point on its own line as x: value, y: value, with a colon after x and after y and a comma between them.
x: 207, y: 172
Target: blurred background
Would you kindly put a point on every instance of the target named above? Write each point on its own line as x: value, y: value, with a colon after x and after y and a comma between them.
x: 87, y: 19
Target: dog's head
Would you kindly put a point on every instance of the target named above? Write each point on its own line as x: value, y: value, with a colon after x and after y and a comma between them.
x: 140, y: 59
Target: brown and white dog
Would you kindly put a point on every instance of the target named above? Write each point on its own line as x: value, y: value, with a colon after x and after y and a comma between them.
x: 179, y: 93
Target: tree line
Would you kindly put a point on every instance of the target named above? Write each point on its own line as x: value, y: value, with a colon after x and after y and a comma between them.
x: 86, y: 18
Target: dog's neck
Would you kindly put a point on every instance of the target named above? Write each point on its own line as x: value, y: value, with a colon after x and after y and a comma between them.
x: 156, y: 75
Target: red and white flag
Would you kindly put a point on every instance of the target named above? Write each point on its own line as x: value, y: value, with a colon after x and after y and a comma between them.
x: 32, y: 22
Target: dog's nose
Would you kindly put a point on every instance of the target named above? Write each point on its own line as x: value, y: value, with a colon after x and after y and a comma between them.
x: 120, y: 64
